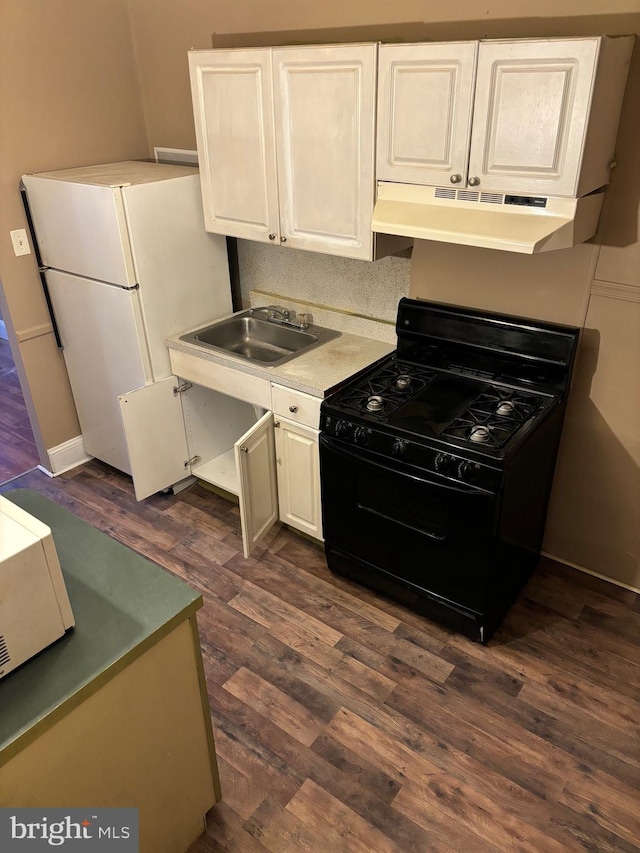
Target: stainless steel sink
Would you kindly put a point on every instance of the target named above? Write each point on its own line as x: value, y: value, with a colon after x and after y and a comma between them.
x: 259, y: 339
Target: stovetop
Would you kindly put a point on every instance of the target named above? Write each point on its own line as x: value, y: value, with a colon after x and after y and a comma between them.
x: 460, y: 397
x: 421, y: 402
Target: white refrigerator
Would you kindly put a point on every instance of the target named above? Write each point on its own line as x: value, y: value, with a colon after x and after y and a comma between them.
x: 127, y: 263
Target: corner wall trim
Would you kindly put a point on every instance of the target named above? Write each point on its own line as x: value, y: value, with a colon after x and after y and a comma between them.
x: 626, y: 292
x: 65, y: 456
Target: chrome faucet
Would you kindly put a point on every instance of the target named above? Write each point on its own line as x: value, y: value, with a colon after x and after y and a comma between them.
x: 277, y: 314
x: 274, y: 312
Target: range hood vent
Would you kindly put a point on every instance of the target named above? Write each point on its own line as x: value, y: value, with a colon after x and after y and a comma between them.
x: 511, y: 223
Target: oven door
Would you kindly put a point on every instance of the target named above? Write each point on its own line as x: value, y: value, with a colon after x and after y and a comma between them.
x: 428, y: 534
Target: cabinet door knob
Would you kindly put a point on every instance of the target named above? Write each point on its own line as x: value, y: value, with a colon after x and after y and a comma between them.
x: 272, y: 236
x: 244, y: 449
x: 455, y: 179
x: 293, y: 409
x: 474, y: 182
x: 283, y: 239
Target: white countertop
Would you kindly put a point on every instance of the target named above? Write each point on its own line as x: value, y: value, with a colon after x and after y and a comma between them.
x: 316, y: 372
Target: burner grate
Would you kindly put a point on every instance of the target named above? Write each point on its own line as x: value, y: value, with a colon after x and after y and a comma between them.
x: 494, y: 417
x: 387, y: 389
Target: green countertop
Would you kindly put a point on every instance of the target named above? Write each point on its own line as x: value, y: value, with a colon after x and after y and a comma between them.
x: 122, y: 604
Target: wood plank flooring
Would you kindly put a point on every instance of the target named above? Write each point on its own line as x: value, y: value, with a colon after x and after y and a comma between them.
x: 18, y: 452
x: 345, y: 723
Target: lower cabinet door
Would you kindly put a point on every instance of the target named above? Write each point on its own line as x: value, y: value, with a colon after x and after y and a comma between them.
x: 258, y: 492
x: 299, y: 477
x: 156, y: 441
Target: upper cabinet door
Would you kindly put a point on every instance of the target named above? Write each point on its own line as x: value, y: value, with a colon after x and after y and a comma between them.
x: 233, y: 110
x: 324, y: 104
x: 258, y: 494
x: 425, y: 100
x: 531, y: 112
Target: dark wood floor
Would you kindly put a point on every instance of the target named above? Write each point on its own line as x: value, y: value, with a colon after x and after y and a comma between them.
x: 346, y: 724
x: 18, y: 452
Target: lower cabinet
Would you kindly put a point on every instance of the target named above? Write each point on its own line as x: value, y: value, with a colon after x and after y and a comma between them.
x: 176, y: 428
x: 297, y: 419
x: 298, y: 476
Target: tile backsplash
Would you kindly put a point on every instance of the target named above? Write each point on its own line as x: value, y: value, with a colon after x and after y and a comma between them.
x: 360, y: 297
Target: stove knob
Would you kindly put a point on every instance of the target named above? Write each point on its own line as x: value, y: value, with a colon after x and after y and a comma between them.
x: 467, y: 471
x: 400, y: 448
x: 361, y: 435
x: 341, y: 429
x: 444, y: 464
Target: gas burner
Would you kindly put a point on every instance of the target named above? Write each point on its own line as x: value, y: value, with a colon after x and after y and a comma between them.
x: 506, y: 403
x: 506, y: 408
x: 384, y: 390
x: 481, y: 434
x: 374, y: 404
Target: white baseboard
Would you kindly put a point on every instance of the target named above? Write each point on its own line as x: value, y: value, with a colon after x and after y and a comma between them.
x: 66, y: 456
x: 592, y: 573
x: 3, y: 331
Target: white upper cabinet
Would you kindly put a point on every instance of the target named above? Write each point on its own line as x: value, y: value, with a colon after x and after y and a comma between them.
x: 325, y: 120
x: 425, y: 100
x: 522, y: 116
x: 233, y: 113
x: 530, y: 119
x: 286, y: 141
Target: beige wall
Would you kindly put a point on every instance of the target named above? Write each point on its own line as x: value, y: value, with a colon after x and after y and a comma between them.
x: 164, y: 31
x: 69, y: 95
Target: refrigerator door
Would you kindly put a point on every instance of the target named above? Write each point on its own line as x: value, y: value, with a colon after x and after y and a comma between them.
x: 105, y: 354
x: 182, y: 270
x: 81, y: 229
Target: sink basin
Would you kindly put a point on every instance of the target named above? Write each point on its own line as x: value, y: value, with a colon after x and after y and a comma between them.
x: 258, y: 339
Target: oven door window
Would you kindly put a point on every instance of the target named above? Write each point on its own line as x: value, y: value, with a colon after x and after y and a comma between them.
x: 433, y: 536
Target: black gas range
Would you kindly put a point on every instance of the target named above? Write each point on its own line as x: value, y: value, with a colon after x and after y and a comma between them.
x: 437, y: 462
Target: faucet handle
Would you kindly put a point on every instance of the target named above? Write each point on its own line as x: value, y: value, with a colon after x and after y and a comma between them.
x: 302, y: 321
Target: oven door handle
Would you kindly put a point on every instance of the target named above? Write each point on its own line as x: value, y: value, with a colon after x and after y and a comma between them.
x: 438, y: 537
x: 360, y: 456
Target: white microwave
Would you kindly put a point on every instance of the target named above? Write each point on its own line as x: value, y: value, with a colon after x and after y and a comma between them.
x: 34, y: 604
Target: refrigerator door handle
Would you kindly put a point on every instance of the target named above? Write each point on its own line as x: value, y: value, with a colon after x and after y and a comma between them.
x: 41, y: 269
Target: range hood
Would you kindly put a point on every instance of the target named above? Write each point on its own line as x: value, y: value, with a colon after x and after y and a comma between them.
x: 513, y: 223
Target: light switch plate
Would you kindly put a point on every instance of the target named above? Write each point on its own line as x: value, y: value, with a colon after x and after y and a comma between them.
x: 20, y: 242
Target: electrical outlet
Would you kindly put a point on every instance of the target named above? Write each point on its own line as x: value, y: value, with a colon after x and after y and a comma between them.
x: 20, y: 242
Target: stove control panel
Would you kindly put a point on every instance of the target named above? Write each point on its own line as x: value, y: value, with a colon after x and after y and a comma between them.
x: 422, y: 456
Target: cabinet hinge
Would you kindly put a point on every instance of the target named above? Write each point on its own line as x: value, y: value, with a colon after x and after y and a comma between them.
x: 193, y: 461
x: 179, y: 389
